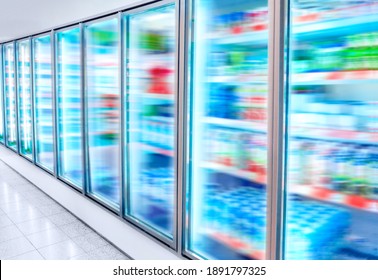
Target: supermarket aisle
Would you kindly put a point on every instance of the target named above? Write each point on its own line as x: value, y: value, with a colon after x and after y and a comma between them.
x: 34, y: 226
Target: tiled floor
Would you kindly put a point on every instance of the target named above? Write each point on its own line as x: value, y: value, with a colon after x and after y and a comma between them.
x: 35, y: 227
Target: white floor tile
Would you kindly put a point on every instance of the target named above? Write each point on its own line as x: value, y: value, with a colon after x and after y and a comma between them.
x: 33, y: 255
x: 61, y: 251
x: 47, y: 237
x: 15, y: 247
x: 36, y: 225
x: 29, y: 214
x: 9, y: 232
x: 4, y: 221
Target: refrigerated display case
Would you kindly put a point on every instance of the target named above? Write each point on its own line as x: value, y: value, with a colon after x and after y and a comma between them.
x: 151, y: 98
x: 227, y: 147
x: 25, y: 126
x: 10, y: 96
x: 69, y: 106
x: 103, y: 110
x: 332, y: 179
x: 43, y: 102
x: 2, y: 136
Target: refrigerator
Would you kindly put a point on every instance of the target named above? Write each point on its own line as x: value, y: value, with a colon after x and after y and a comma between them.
x: 69, y: 106
x: 102, y: 108
x: 332, y: 122
x: 226, y: 197
x: 10, y: 96
x: 43, y: 102
x: 25, y: 126
x: 151, y: 114
x: 2, y: 132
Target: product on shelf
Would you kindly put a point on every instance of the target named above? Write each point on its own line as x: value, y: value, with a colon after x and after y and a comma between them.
x: 316, y: 229
x: 346, y: 168
x: 242, y: 150
x: 344, y: 53
x: 155, y: 196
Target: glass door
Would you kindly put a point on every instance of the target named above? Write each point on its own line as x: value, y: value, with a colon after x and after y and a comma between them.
x: 69, y: 106
x: 227, y: 136
x: 2, y: 134
x: 24, y: 98
x: 103, y: 109
x: 332, y: 180
x: 151, y: 94
x: 10, y: 96
x: 43, y: 102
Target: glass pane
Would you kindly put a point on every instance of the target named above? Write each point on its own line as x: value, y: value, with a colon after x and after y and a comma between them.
x: 24, y: 98
x: 68, y: 82
x: 10, y: 96
x: 228, y: 125
x: 332, y: 204
x: 43, y: 102
x: 103, y: 109
x: 151, y: 98
x: 1, y: 97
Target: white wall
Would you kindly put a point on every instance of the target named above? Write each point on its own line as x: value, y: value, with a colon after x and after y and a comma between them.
x: 124, y: 236
x: 24, y: 17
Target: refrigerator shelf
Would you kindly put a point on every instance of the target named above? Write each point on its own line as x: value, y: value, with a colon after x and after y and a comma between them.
x: 324, y: 194
x: 237, y: 245
x: 157, y: 96
x: 247, y: 38
x: 248, y: 175
x: 230, y: 123
x: 154, y: 149
x: 336, y: 78
x: 335, y: 135
x: 312, y: 30
x: 239, y: 79
x: 339, y: 27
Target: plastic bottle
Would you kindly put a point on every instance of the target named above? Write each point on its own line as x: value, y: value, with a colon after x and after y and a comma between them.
x: 360, y: 170
x: 373, y: 172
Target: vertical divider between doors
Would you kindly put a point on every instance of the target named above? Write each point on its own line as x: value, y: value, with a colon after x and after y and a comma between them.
x: 33, y: 100
x: 125, y: 65
x: 32, y: 96
x: 16, y: 94
x: 122, y: 157
x: 276, y: 124
x: 2, y: 92
x: 83, y: 88
x: 181, y: 125
x: 54, y: 104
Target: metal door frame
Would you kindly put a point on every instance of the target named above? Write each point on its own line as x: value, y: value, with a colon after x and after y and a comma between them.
x: 125, y: 61
x: 276, y: 120
x: 18, y: 42
x: 34, y: 38
x: 57, y: 130
x: 13, y: 44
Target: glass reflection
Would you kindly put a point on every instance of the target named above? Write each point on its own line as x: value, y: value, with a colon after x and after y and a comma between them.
x: 227, y: 149
x: 10, y: 96
x: 333, y: 153
x: 69, y: 108
x: 152, y: 117
x: 103, y: 110
x: 43, y: 105
x: 24, y: 98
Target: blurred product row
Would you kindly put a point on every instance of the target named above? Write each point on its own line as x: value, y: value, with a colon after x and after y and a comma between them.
x: 98, y: 105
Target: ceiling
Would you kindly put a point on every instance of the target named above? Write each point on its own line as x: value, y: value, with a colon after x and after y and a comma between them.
x: 20, y: 18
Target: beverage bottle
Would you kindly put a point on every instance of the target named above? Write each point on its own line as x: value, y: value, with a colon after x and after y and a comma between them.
x: 339, y: 179
x: 360, y: 171
x: 373, y: 172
